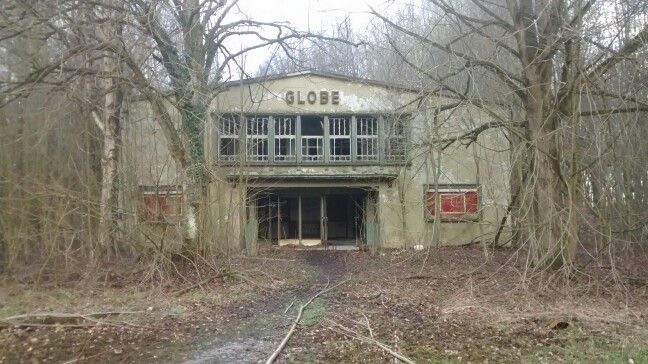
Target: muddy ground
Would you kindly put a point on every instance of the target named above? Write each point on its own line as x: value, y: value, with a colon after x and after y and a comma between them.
x: 443, y: 305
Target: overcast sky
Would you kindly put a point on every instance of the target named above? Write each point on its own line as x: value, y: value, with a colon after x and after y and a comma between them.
x: 313, y: 15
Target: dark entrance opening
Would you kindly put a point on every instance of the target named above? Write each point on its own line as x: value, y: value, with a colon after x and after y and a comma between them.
x: 311, y: 219
x: 312, y: 216
x: 344, y: 215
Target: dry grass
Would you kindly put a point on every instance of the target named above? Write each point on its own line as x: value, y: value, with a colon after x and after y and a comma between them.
x: 468, y: 309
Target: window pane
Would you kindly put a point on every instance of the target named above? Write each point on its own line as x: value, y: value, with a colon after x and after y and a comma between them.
x: 257, y: 139
x: 285, y: 138
x: 367, y: 138
x: 312, y: 149
x: 228, y: 148
x: 396, y: 139
x: 228, y: 130
x: 340, y: 149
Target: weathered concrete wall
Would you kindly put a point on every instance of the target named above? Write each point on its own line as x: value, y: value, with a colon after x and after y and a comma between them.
x: 401, y: 200
x: 484, y: 163
x: 355, y: 97
x: 147, y: 147
x: 146, y: 162
x: 402, y: 205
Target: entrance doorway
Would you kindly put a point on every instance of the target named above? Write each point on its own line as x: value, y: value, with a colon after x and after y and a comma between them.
x: 312, y: 216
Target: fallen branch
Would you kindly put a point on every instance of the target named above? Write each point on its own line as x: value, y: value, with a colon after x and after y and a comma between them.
x: 61, y: 319
x: 354, y: 335
x: 283, y: 343
x: 289, y: 306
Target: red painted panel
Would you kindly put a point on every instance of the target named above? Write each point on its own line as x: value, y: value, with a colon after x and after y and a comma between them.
x: 430, y: 202
x: 472, y: 202
x: 453, y: 203
x: 160, y: 207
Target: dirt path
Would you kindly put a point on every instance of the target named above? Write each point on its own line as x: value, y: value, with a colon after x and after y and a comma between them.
x: 255, y: 330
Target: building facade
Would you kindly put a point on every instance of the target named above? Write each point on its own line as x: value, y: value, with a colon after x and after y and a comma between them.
x: 319, y: 159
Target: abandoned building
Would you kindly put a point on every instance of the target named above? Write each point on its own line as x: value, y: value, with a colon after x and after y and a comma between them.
x: 321, y: 159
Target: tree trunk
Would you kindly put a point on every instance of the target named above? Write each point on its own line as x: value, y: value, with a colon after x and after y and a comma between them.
x: 110, y: 126
x: 548, y: 224
x: 111, y: 130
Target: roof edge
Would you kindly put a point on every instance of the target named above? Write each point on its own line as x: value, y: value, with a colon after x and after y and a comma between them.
x: 336, y: 76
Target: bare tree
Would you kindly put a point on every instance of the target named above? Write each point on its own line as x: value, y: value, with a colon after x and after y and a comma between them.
x: 549, y: 59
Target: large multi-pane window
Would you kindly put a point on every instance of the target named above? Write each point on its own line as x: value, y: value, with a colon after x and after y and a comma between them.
x: 285, y: 139
x: 367, y: 138
x: 228, y: 130
x: 257, y: 139
x: 340, y: 139
x: 312, y: 138
x: 395, y: 140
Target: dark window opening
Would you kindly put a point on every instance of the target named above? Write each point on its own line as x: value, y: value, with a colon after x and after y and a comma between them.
x: 312, y: 125
x: 229, y: 148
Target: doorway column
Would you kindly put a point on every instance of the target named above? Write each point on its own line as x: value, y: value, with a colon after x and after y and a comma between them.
x: 299, y: 219
x: 323, y: 220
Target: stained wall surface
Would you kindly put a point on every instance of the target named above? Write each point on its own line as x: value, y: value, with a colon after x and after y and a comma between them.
x: 400, y: 207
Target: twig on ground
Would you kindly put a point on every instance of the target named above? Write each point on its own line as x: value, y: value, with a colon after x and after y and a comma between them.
x: 118, y: 324
x: 289, y: 306
x: 368, y: 325
x: 355, y: 335
x: 290, y: 332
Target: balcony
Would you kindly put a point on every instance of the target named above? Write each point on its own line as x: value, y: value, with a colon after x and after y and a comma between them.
x: 285, y: 140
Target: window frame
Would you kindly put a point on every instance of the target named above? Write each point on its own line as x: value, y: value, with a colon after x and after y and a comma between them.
x: 283, y: 123
x: 373, y: 146
x: 335, y: 137
x: 465, y: 216
x: 367, y: 138
x: 170, y: 193
x: 257, y: 138
x: 227, y: 134
x: 401, y: 139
